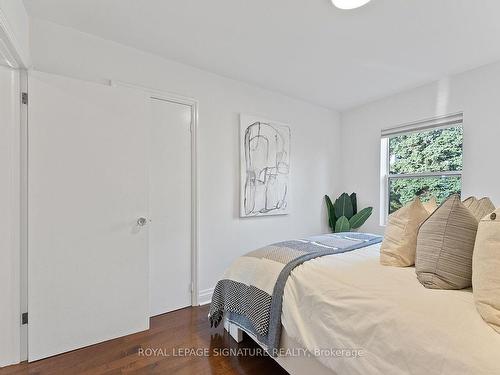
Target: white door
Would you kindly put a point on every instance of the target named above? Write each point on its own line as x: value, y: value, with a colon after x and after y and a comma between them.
x: 87, y: 187
x: 170, y: 203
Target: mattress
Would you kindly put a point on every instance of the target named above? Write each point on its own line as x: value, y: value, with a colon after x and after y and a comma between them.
x: 358, y: 317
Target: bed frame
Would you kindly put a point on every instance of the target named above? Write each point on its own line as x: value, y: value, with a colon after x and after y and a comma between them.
x: 293, y: 365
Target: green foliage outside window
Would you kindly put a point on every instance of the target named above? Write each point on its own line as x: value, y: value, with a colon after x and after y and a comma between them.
x: 431, y: 151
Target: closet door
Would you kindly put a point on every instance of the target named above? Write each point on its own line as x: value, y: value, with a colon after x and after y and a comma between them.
x: 170, y: 202
x: 87, y: 192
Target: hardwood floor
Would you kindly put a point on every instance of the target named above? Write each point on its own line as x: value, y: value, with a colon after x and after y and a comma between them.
x: 177, y: 338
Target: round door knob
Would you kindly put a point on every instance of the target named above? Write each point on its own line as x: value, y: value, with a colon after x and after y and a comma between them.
x: 142, y: 221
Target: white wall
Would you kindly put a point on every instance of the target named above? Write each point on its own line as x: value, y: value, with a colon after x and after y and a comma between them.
x: 476, y: 93
x: 223, y: 235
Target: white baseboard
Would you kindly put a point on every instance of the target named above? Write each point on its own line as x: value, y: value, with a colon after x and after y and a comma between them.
x: 205, y: 296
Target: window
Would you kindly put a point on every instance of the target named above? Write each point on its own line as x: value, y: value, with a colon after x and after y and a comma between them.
x: 423, y: 159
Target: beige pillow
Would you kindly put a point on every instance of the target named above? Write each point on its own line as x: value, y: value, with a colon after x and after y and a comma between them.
x: 486, y: 269
x: 469, y: 201
x: 400, y: 238
x: 445, y: 244
x: 482, y: 207
x: 431, y: 205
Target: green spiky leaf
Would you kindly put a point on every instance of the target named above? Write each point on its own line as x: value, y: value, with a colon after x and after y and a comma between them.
x: 359, y: 219
x: 354, y: 201
x: 343, y: 206
x: 342, y: 225
x: 331, y: 212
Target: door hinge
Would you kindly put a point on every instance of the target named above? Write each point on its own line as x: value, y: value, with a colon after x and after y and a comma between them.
x: 24, y: 98
x: 24, y: 318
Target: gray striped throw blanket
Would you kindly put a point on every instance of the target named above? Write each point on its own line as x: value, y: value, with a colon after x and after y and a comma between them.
x: 251, y: 292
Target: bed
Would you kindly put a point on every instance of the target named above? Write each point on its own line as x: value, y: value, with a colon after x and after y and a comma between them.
x: 347, y: 314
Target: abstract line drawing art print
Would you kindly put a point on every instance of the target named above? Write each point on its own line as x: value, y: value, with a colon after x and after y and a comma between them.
x: 265, y: 167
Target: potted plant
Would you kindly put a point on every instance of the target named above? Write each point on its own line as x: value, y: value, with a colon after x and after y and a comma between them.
x: 343, y: 215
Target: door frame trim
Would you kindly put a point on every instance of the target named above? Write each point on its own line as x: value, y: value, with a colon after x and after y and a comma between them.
x: 16, y: 58
x: 11, y: 253
x: 193, y: 104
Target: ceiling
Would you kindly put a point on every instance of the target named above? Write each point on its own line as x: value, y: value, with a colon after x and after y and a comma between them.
x: 306, y: 49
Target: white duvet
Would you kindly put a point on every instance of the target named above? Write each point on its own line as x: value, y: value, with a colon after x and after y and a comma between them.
x: 349, y: 301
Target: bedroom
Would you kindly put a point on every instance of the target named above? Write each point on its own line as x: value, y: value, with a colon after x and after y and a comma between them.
x: 336, y: 84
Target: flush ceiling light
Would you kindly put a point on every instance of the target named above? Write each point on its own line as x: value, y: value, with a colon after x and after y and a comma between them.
x: 349, y: 4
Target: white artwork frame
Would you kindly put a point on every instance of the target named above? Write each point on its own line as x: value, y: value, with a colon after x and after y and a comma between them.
x: 264, y: 167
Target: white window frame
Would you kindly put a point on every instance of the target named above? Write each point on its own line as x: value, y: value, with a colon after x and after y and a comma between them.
x: 441, y: 122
